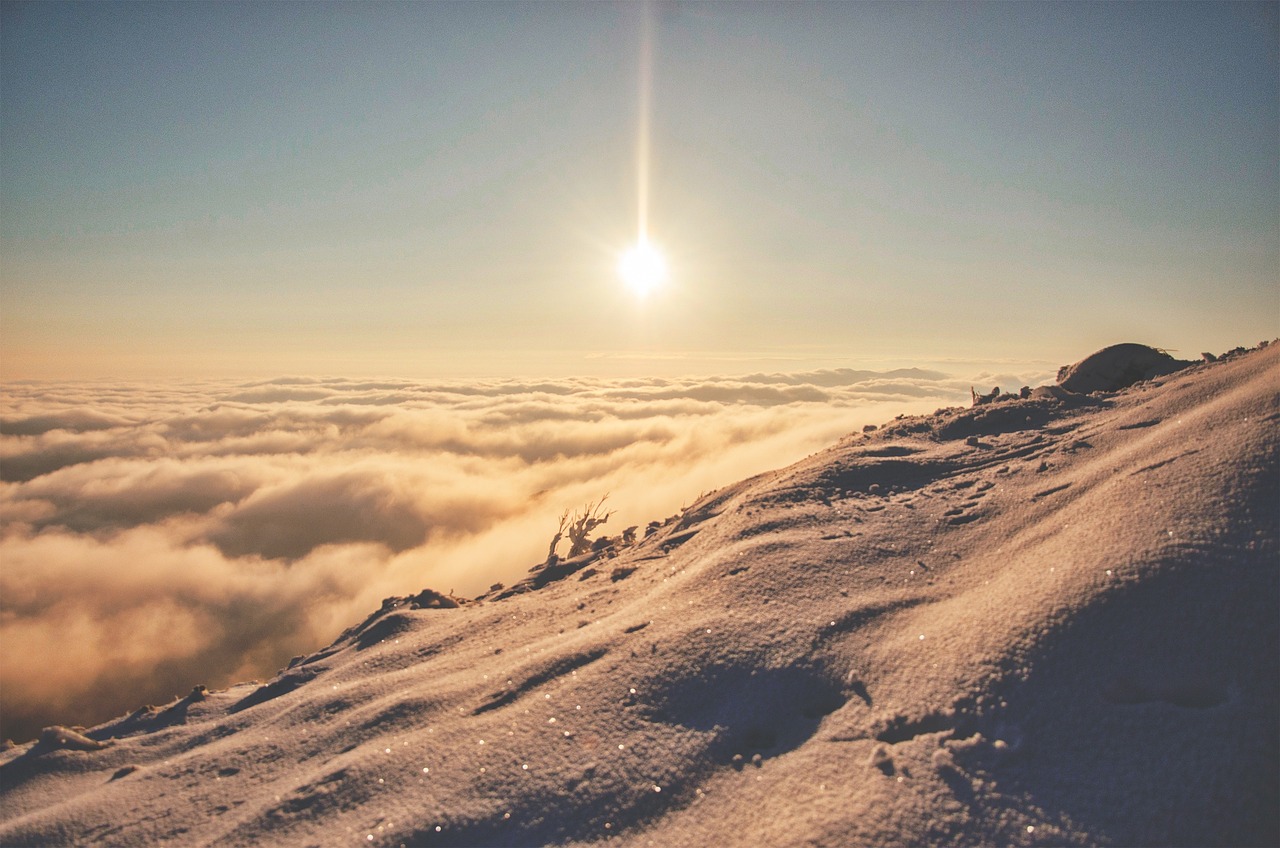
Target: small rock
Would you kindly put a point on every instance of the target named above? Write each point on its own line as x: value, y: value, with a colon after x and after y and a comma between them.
x: 56, y: 737
x: 123, y: 772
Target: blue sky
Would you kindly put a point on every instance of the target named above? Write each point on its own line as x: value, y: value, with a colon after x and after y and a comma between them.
x: 445, y: 188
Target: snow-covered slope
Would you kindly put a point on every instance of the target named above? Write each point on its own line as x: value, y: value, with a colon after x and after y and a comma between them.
x: 1050, y: 620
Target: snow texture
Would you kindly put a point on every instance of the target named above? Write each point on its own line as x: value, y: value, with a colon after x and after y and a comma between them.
x: 1040, y: 621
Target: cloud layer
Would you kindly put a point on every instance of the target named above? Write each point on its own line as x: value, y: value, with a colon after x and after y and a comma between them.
x: 155, y: 537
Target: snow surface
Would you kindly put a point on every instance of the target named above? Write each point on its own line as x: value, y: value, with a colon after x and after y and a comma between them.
x: 1050, y: 620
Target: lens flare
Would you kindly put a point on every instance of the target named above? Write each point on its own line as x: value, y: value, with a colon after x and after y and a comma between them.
x: 643, y: 267
x: 642, y: 129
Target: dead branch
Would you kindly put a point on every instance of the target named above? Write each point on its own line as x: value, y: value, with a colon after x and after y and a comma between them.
x: 583, y: 523
x: 555, y: 540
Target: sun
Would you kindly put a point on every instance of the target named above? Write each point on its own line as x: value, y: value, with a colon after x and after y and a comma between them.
x: 643, y: 268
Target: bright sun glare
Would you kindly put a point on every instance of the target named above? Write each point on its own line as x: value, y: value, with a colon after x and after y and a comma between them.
x: 643, y: 268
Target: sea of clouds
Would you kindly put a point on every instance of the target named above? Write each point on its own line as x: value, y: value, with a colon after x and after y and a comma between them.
x: 157, y: 536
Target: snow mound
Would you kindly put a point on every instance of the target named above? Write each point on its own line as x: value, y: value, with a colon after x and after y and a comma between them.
x: 1117, y: 367
x: 1045, y: 620
x: 66, y: 738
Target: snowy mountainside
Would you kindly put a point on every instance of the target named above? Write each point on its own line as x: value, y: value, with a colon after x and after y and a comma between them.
x: 1043, y: 620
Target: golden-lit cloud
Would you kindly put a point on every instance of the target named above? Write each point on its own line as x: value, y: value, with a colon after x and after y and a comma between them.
x: 155, y: 537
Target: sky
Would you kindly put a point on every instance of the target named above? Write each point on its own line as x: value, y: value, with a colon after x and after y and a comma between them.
x: 444, y: 189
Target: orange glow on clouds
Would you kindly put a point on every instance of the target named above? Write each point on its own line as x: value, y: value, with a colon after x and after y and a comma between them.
x: 265, y: 517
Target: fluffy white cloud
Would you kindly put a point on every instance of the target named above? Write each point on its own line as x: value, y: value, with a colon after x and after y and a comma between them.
x: 155, y: 537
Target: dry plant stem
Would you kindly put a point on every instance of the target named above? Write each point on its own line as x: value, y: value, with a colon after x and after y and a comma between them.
x: 583, y: 523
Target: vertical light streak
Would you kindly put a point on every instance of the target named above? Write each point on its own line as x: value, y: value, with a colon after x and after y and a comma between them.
x: 642, y: 141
